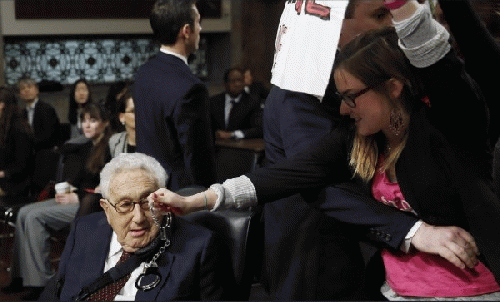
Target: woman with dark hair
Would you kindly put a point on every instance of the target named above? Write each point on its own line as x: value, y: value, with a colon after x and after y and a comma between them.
x: 79, y: 95
x: 83, y: 162
x: 417, y: 141
x: 124, y: 142
x: 16, y: 147
x: 115, y: 92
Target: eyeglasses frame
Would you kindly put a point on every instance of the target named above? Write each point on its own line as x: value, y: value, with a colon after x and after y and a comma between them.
x: 142, y: 201
x: 350, y: 99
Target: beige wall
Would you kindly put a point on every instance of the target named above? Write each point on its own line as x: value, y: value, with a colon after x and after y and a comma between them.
x: 12, y: 27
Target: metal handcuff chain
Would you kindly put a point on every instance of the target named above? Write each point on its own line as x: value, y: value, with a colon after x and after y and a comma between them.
x: 151, y: 268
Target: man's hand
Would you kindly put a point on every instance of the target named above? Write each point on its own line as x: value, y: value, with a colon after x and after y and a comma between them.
x: 452, y: 243
x: 66, y: 198
x: 223, y: 134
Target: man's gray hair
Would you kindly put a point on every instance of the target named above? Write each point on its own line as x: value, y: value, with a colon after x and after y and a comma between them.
x: 129, y: 162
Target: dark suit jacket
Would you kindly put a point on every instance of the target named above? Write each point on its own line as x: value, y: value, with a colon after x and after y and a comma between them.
x: 258, y: 90
x: 188, y: 268
x: 45, y: 126
x: 172, y: 121
x: 443, y: 170
x: 481, y: 53
x: 245, y: 115
x: 307, y: 255
x: 17, y: 159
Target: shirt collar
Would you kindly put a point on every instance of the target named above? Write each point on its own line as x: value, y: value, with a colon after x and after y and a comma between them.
x: 114, y: 247
x: 236, y: 99
x: 169, y: 52
x: 32, y: 105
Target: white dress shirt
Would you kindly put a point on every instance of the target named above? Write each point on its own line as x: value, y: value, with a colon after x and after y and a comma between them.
x: 30, y: 110
x: 227, y: 113
x: 128, y: 292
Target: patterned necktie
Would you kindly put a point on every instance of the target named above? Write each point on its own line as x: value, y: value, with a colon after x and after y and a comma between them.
x: 109, y: 292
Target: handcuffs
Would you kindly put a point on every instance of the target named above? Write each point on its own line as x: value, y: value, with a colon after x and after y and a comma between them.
x: 151, y: 270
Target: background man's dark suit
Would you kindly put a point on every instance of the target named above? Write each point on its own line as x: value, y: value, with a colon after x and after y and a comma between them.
x: 172, y: 121
x: 307, y: 255
x: 246, y: 115
x: 45, y: 126
x: 188, y: 267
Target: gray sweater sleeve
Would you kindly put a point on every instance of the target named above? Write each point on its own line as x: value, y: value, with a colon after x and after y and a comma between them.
x: 423, y: 39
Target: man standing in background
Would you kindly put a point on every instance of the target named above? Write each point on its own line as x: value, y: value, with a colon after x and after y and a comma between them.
x: 172, y: 116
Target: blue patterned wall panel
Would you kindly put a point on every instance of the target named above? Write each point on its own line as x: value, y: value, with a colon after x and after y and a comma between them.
x: 97, y: 60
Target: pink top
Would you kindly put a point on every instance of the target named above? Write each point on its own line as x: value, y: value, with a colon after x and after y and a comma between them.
x: 421, y: 274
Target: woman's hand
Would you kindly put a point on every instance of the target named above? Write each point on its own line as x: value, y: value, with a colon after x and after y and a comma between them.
x: 452, y: 243
x: 67, y: 198
x: 168, y: 201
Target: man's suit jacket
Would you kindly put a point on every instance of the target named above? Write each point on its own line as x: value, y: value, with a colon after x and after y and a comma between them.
x: 45, y: 126
x: 189, y: 267
x: 258, y: 90
x: 173, y: 122
x: 246, y: 115
x: 307, y: 255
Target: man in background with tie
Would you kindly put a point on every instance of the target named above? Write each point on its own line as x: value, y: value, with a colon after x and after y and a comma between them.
x: 41, y: 116
x: 235, y: 113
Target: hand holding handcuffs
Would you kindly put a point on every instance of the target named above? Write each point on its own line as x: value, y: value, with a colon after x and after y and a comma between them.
x: 151, y: 268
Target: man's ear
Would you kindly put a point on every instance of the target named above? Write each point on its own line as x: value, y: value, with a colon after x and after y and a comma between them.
x: 104, y: 204
x: 185, y: 31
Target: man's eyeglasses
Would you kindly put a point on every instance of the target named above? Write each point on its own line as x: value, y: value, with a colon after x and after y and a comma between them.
x: 127, y: 206
x: 350, y: 99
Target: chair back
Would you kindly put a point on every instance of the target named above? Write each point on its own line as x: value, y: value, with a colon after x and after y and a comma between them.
x: 238, y: 231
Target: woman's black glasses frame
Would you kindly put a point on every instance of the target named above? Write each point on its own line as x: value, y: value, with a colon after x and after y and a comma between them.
x: 350, y: 99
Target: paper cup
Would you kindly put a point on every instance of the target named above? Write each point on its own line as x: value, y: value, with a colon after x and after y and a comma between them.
x: 62, y: 187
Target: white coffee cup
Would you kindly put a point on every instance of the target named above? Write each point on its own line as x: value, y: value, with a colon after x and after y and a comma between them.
x: 62, y: 187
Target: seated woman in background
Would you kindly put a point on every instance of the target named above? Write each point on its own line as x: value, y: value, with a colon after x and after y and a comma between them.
x: 115, y: 93
x: 16, y: 148
x: 409, y: 152
x: 79, y: 95
x: 124, y: 142
x: 82, y: 165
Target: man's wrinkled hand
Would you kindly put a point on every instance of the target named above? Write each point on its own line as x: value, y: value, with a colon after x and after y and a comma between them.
x: 223, y: 134
x: 452, y: 243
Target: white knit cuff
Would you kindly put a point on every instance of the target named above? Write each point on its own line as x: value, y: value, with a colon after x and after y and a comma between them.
x: 239, y: 192
x: 219, y: 191
x: 423, y: 40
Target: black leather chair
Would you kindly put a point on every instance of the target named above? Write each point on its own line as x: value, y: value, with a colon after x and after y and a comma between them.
x: 239, y: 231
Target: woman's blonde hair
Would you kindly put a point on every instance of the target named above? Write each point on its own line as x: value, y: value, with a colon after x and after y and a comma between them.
x: 375, y: 58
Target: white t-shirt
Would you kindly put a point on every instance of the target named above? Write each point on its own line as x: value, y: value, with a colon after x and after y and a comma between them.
x: 306, y: 45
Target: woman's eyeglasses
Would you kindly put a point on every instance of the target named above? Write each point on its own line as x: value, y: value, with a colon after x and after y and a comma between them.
x: 350, y: 99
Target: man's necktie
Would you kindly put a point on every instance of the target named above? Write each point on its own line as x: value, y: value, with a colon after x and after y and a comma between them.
x: 109, y: 292
x: 233, y: 101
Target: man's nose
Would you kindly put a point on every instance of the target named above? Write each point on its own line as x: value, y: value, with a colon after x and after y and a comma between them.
x: 139, y: 214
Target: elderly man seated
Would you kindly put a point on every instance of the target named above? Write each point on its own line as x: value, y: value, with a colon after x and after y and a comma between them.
x: 168, y: 258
